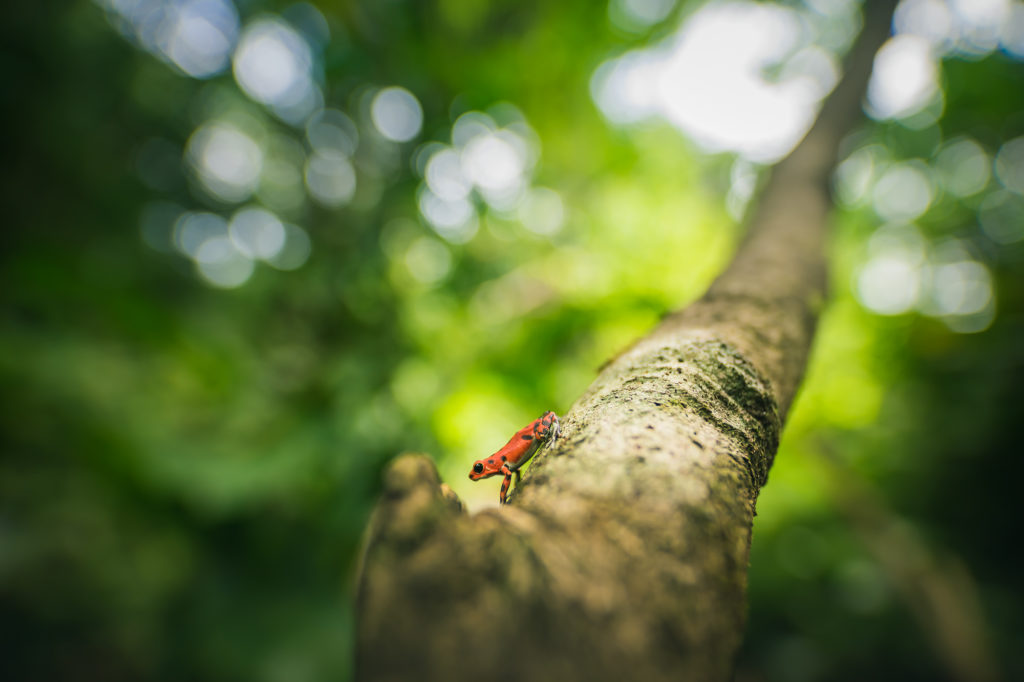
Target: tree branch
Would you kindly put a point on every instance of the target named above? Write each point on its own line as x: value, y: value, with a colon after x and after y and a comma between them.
x: 625, y: 553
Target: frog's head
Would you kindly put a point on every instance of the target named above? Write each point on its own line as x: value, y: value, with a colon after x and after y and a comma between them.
x: 482, y: 468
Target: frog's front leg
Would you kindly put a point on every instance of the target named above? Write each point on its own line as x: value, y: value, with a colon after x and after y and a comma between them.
x: 504, y: 487
x: 507, y: 469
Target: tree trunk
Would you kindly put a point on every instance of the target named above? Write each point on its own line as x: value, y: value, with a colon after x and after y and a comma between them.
x: 624, y: 552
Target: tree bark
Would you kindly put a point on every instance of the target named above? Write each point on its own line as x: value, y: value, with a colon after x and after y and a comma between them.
x: 624, y: 552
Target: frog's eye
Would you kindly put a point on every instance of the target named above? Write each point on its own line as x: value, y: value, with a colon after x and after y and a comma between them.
x: 478, y: 468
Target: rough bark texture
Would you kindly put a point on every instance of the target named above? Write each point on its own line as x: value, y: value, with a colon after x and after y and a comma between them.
x: 624, y: 552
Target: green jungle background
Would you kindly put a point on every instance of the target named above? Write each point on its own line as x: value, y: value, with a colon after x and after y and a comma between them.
x: 195, y: 417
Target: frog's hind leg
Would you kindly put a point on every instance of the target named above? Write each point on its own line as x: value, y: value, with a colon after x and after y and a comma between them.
x: 547, y: 427
x: 508, y: 471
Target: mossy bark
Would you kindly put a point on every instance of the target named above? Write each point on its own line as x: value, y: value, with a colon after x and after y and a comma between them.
x: 623, y: 554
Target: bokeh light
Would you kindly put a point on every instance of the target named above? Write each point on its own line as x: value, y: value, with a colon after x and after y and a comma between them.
x: 1012, y: 34
x: 273, y: 65
x: 542, y: 211
x: 204, y: 238
x: 960, y: 289
x: 237, y: 155
x: 428, y: 260
x: 638, y: 15
x: 332, y: 130
x: 201, y: 36
x: 196, y: 36
x: 1010, y: 165
x: 979, y: 21
x: 471, y: 125
x: 964, y: 167
x: 224, y: 251
x: 903, y: 192
x: 1000, y: 215
x: 193, y: 229
x: 256, y: 233
x: 709, y: 80
x: 296, y: 250
x: 221, y: 264
x: 904, y: 272
x: 444, y: 175
x: 904, y: 79
x: 227, y: 161
x: 855, y: 175
x: 713, y: 84
x: 888, y: 284
x: 495, y: 162
x: 931, y: 20
x: 396, y: 114
x: 973, y: 28
x: 331, y: 179
x: 488, y: 162
x: 454, y: 219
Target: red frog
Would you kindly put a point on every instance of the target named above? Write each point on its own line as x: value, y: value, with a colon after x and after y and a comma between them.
x: 517, y: 452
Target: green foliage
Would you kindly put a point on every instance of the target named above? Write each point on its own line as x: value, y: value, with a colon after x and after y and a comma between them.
x: 187, y: 469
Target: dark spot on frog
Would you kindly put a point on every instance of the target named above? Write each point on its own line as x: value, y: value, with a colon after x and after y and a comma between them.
x: 504, y: 458
x: 697, y: 443
x: 527, y: 436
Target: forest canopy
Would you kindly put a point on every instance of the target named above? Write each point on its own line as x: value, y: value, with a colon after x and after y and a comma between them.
x: 256, y: 249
